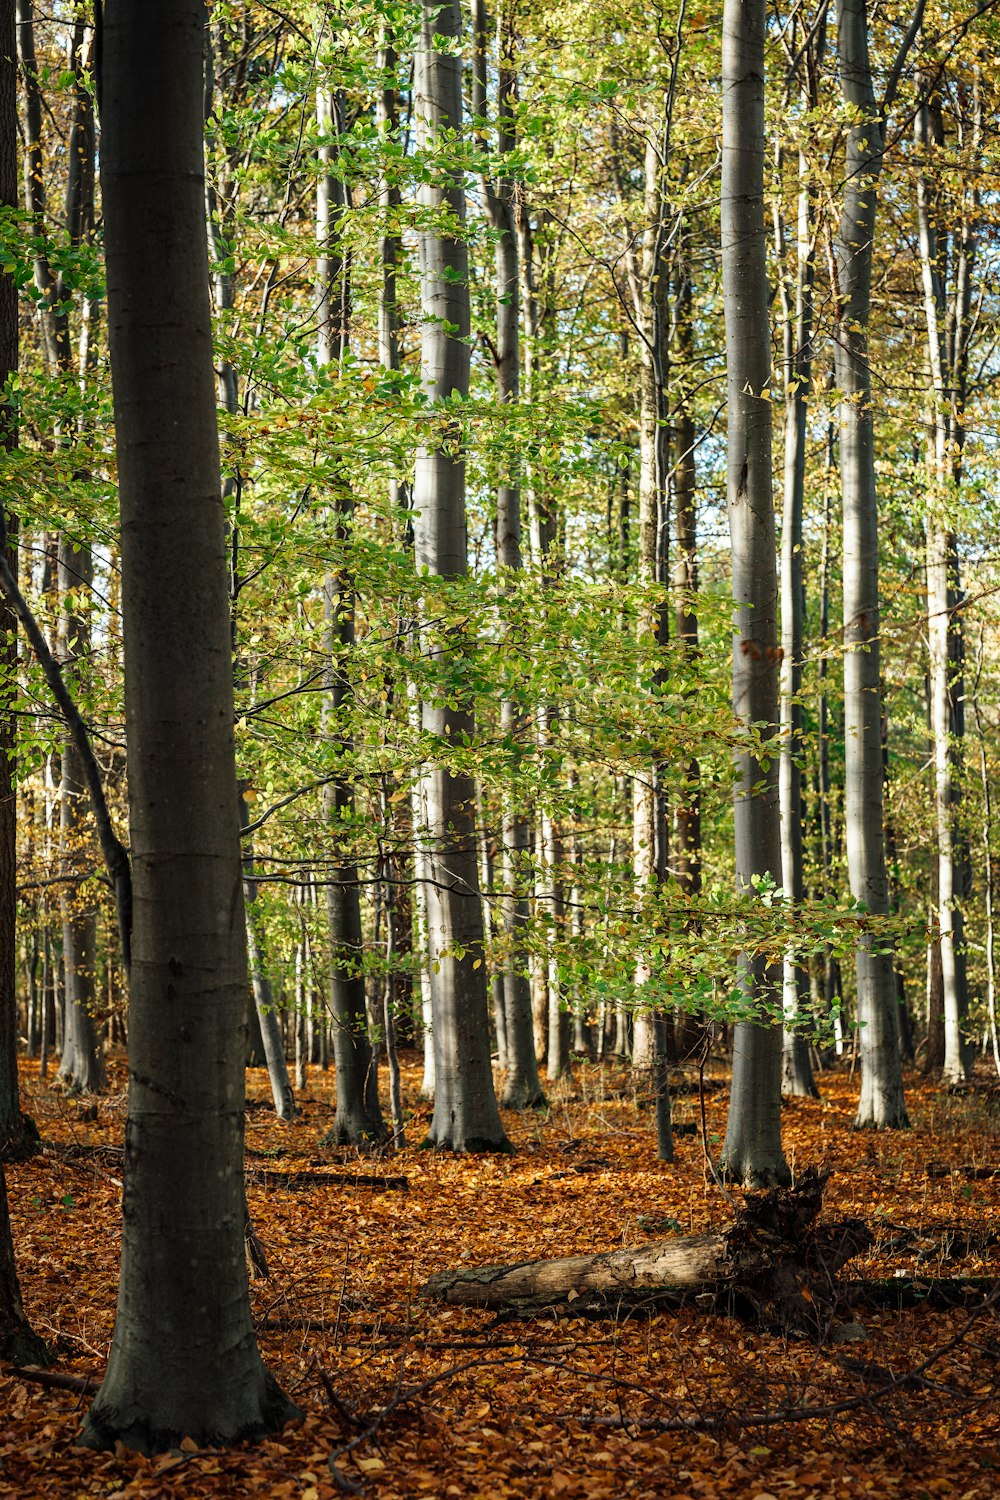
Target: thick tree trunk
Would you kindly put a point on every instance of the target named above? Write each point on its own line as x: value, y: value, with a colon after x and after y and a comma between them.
x: 18, y: 1345
x: 184, y: 1361
x: 881, y: 1104
x: 522, y: 1087
x: 752, y: 1153
x: 465, y: 1117
x: 773, y: 1257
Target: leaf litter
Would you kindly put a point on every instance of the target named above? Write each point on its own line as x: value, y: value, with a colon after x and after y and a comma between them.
x: 414, y: 1399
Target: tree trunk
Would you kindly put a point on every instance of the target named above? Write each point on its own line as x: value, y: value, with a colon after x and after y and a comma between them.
x: 17, y: 1343
x: 647, y: 274
x: 752, y: 1152
x: 17, y: 1134
x: 465, y: 1117
x: 184, y: 1361
x: 263, y: 999
x: 881, y: 1105
x: 82, y: 1066
x: 947, y: 349
x: 358, y: 1119
x: 522, y: 1086
x: 797, y: 332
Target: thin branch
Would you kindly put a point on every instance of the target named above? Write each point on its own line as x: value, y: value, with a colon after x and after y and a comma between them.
x: 114, y: 851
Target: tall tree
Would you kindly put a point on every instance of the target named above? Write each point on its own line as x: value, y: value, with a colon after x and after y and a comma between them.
x: 947, y: 248
x: 82, y: 1063
x: 359, y: 1117
x: 17, y: 1135
x: 184, y: 1360
x: 219, y: 203
x: 17, y: 1343
x: 686, y: 852
x: 881, y: 1104
x: 522, y: 1089
x: 796, y: 301
x: 465, y: 1108
x: 752, y: 1152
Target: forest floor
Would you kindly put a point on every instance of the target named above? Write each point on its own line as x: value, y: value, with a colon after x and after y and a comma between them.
x: 553, y: 1407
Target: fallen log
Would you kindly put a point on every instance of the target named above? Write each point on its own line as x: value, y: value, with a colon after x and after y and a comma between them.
x: 291, y: 1181
x: 773, y: 1261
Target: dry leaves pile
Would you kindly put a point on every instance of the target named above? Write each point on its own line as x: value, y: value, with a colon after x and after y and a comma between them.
x: 419, y: 1400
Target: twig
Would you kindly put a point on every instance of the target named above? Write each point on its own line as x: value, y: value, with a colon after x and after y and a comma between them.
x: 84, y: 1384
x: 293, y: 1180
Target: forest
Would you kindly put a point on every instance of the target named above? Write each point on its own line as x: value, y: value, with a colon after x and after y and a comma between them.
x: 499, y: 726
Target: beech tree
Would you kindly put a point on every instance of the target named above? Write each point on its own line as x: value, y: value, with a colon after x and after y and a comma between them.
x: 947, y: 249
x: 16, y: 1134
x: 752, y: 1152
x: 359, y: 1118
x: 184, y: 1358
x: 17, y: 1342
x: 881, y: 1104
x: 466, y: 1117
x: 522, y: 1089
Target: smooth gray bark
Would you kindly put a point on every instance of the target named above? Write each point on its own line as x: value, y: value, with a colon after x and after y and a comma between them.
x: 797, y: 321
x: 15, y: 1137
x: 263, y: 998
x: 752, y: 1153
x: 82, y: 1064
x: 522, y: 1087
x: 184, y: 1360
x: 358, y: 1120
x: 465, y: 1107
x: 881, y: 1104
x: 686, y: 858
x: 17, y: 1343
x: 645, y: 262
x: 947, y: 248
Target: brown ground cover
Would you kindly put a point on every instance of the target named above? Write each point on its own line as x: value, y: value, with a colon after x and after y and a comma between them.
x: 560, y: 1406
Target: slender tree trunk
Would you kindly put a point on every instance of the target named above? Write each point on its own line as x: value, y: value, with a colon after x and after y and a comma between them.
x: 646, y: 264
x: 797, y: 319
x: 82, y: 1062
x: 752, y: 1152
x: 881, y: 1104
x: 17, y: 1343
x: 947, y: 350
x: 82, y: 1066
x: 265, y: 1044
x: 263, y: 998
x: 184, y: 1361
x: 989, y: 872
x: 465, y: 1108
x: 16, y: 1133
x: 359, y: 1117
x: 688, y: 1029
